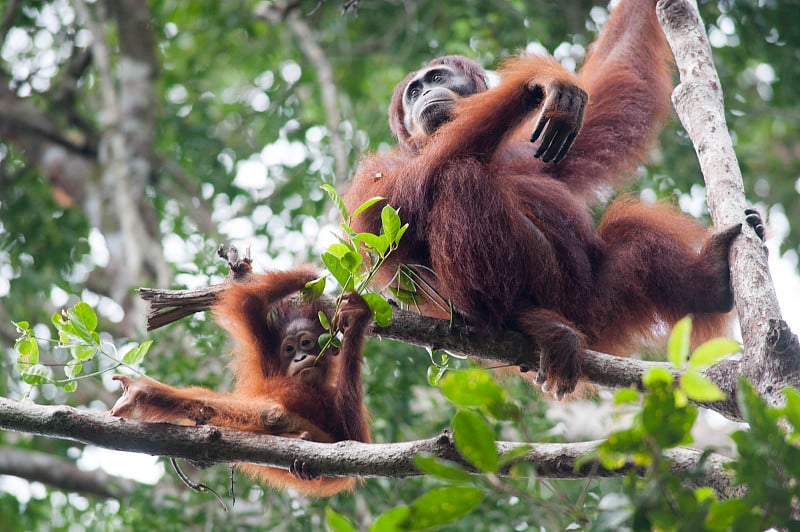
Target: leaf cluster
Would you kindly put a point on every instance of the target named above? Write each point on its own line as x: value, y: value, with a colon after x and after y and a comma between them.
x: 78, y: 336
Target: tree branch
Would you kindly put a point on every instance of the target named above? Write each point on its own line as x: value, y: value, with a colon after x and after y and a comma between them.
x: 61, y: 474
x: 771, y: 357
x: 210, y: 445
x: 507, y: 347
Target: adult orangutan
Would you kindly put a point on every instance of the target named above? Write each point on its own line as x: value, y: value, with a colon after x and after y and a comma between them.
x: 503, y: 229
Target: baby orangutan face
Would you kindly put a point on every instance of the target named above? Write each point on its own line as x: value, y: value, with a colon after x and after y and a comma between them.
x: 300, y: 352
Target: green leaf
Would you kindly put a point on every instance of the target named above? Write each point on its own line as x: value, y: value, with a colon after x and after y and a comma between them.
x: 336, y: 522
x: 699, y: 388
x: 340, y: 249
x: 441, y: 469
x: 435, y: 374
x: 337, y: 200
x: 70, y: 386
x: 82, y: 352
x: 23, y: 327
x: 705, y: 493
x: 712, y: 351
x: 441, y: 506
x: 666, y: 422
x: 374, y: 243
x: 392, y: 520
x: 792, y: 408
x: 366, y: 205
x: 313, y: 289
x: 135, y: 355
x: 27, y: 349
x: 626, y: 395
x: 503, y: 410
x: 77, y: 328
x: 324, y: 340
x: 400, y: 233
x: 407, y: 297
x: 323, y: 320
x: 36, y: 374
x: 57, y: 319
x: 472, y: 388
x: 679, y: 340
x: 352, y: 261
x: 680, y: 397
x: 390, y: 221
x: 85, y: 315
x: 405, y: 280
x: 474, y: 439
x: 347, y: 230
x: 725, y: 514
x: 73, y: 368
x: 380, y: 308
x: 618, y: 445
x: 341, y: 273
x: 653, y: 376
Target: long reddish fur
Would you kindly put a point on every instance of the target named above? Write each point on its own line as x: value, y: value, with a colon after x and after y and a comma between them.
x: 255, y: 313
x: 511, y: 239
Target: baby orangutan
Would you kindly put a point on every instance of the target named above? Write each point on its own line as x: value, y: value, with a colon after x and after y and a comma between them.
x: 282, y: 386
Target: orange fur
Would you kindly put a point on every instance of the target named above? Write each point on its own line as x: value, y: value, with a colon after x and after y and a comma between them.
x: 266, y: 400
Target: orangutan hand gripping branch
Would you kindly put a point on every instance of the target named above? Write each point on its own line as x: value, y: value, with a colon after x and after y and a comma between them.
x: 283, y: 387
x: 502, y: 228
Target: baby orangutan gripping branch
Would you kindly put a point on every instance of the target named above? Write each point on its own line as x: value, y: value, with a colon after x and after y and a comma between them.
x: 283, y: 387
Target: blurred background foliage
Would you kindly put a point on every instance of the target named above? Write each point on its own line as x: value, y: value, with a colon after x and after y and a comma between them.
x: 244, y: 134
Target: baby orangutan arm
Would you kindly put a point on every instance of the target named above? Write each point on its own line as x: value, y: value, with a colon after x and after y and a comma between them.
x: 147, y: 400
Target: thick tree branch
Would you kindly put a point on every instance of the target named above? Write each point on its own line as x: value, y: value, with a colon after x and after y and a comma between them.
x: 61, y: 474
x: 771, y: 352
x: 505, y: 347
x: 210, y: 445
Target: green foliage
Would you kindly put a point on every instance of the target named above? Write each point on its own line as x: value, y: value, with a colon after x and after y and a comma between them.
x: 478, y: 398
x: 438, y: 507
x: 656, y: 498
x: 78, y: 336
x: 693, y: 384
x: 474, y: 440
x: 345, y: 262
x: 768, y: 465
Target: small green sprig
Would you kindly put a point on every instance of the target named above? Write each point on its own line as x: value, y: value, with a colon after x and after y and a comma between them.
x: 77, y: 334
x: 354, y: 260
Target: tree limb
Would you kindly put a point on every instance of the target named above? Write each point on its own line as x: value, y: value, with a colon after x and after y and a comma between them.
x: 61, y: 474
x: 507, y: 347
x: 210, y: 445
